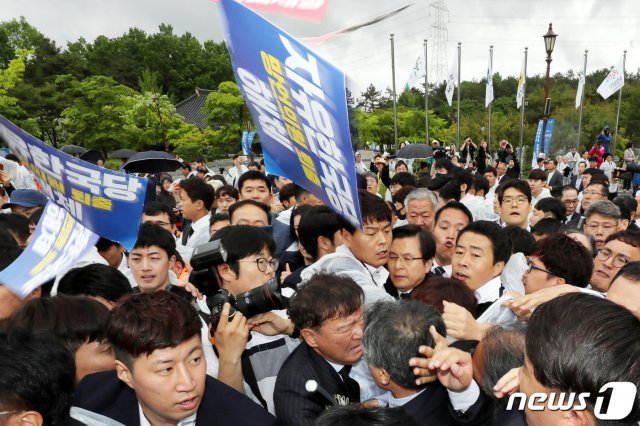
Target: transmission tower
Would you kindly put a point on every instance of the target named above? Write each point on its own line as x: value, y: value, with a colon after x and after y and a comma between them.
x: 440, y: 35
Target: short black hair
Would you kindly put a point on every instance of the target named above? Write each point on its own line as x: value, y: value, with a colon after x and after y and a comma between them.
x: 301, y: 211
x: 627, y: 204
x: 517, y: 184
x: 444, y: 163
x: 537, y: 174
x: 427, y: 242
x: 74, y: 320
x: 287, y: 191
x: 569, y: 188
x: 96, y: 280
x: 630, y: 271
x: 480, y: 183
x: 16, y: 224
x: 242, y: 241
x: 554, y: 251
x: 592, y: 171
x: 37, y: 373
x: 197, y: 189
x: 372, y: 209
x: 450, y: 191
x: 494, y: 233
x: 604, y: 183
x: 547, y: 226
x: 570, y: 323
x: 137, y: 326
x: 229, y: 191
x: 154, y: 235
x: 454, y: 205
x: 218, y: 217
x: 463, y: 176
x: 104, y: 244
x: 253, y: 175
x: 155, y: 208
x: 553, y: 206
x: 491, y: 170
x: 351, y: 415
x: 262, y: 206
x: 520, y: 240
x: 322, y: 297
x: 319, y: 221
x: 186, y: 166
x: 403, y: 179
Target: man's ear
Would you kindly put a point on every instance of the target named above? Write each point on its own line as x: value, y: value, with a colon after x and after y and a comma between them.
x: 226, y: 273
x: 383, y: 376
x: 200, y: 205
x: 124, y: 373
x: 324, y: 243
x: 578, y: 418
x: 35, y: 293
x: 172, y: 261
x: 560, y: 281
x: 346, y: 237
x: 497, y: 268
x: 30, y: 418
x: 623, y: 224
x: 309, y: 337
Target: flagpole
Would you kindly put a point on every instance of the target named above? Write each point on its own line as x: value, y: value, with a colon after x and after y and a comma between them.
x: 490, y: 103
x: 522, y: 107
x: 615, y: 139
x: 458, y: 116
x: 395, y: 112
x: 584, y: 74
x: 426, y: 93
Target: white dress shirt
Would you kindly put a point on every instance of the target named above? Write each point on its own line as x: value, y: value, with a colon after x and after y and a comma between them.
x: 200, y: 236
x: 490, y: 291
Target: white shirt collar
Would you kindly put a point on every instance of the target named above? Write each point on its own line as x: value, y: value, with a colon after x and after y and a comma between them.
x: 399, y: 402
x: 203, y: 222
x: 448, y: 269
x: 189, y: 421
x: 490, y: 291
x: 335, y: 366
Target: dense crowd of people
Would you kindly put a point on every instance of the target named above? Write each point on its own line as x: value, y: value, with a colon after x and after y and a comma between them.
x: 467, y: 294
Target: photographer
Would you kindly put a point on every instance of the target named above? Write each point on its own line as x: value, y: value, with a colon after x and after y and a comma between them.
x: 467, y: 151
x: 249, y: 365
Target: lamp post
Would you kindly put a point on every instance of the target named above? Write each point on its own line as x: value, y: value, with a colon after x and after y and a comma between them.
x: 549, y: 44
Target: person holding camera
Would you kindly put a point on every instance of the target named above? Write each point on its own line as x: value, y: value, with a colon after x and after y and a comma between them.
x: 246, y: 268
x: 467, y: 151
x: 233, y: 173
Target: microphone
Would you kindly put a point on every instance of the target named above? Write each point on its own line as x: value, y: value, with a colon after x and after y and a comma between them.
x: 312, y: 386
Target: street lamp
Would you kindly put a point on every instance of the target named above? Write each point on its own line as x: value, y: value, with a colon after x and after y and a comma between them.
x: 549, y: 44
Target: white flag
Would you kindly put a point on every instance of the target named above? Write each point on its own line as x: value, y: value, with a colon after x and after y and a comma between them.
x: 489, y: 89
x: 417, y: 72
x: 613, y: 82
x: 580, y: 89
x: 452, y: 81
x: 522, y: 81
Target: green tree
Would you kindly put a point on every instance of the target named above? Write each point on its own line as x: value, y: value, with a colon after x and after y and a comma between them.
x: 150, y: 118
x: 96, y: 118
x: 227, y: 114
x: 10, y: 76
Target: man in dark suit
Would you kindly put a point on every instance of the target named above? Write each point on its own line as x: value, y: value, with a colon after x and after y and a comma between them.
x: 554, y: 177
x: 393, y: 334
x: 570, y: 202
x: 328, y: 311
x: 160, y: 375
x: 410, y: 260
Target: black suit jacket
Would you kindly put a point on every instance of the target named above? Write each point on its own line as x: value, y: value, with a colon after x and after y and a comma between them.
x: 294, y: 405
x: 431, y: 407
x: 574, y: 179
x: 555, y: 183
x: 104, y: 394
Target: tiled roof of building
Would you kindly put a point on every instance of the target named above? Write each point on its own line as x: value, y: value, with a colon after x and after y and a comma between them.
x: 191, y: 108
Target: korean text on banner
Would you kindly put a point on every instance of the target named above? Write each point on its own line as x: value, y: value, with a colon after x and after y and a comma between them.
x: 108, y: 203
x: 298, y: 101
x: 56, y: 245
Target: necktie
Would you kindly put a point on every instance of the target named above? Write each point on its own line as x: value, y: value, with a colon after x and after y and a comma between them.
x: 438, y: 271
x: 405, y: 296
x: 352, y: 387
x: 187, y: 232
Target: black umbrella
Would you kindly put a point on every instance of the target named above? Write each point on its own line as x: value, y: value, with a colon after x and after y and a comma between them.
x: 92, y: 156
x: 123, y: 153
x: 73, y: 149
x: 415, y: 150
x: 151, y: 162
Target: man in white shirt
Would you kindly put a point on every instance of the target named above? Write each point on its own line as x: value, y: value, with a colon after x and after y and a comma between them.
x: 537, y: 181
x: 238, y: 169
x: 196, y: 200
x: 361, y: 168
x: 573, y: 157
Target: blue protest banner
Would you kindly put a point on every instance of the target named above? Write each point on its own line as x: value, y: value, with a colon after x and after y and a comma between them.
x: 108, y: 203
x: 537, y: 144
x: 56, y: 245
x: 247, y: 141
x: 298, y: 102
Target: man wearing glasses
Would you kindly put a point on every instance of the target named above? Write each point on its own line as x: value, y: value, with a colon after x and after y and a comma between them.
x: 514, y: 198
x: 596, y: 190
x: 570, y: 202
x: 410, y: 259
x: 250, y: 365
x: 603, y: 218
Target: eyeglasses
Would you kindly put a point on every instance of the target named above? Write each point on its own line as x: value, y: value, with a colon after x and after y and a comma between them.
x: 519, y: 200
x: 405, y: 259
x: 618, y: 261
x: 592, y: 193
x: 532, y: 266
x: 262, y: 263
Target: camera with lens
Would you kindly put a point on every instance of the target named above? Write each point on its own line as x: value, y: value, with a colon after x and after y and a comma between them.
x: 261, y: 299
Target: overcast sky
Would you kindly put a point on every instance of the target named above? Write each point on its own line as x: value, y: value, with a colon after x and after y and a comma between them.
x: 606, y: 28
